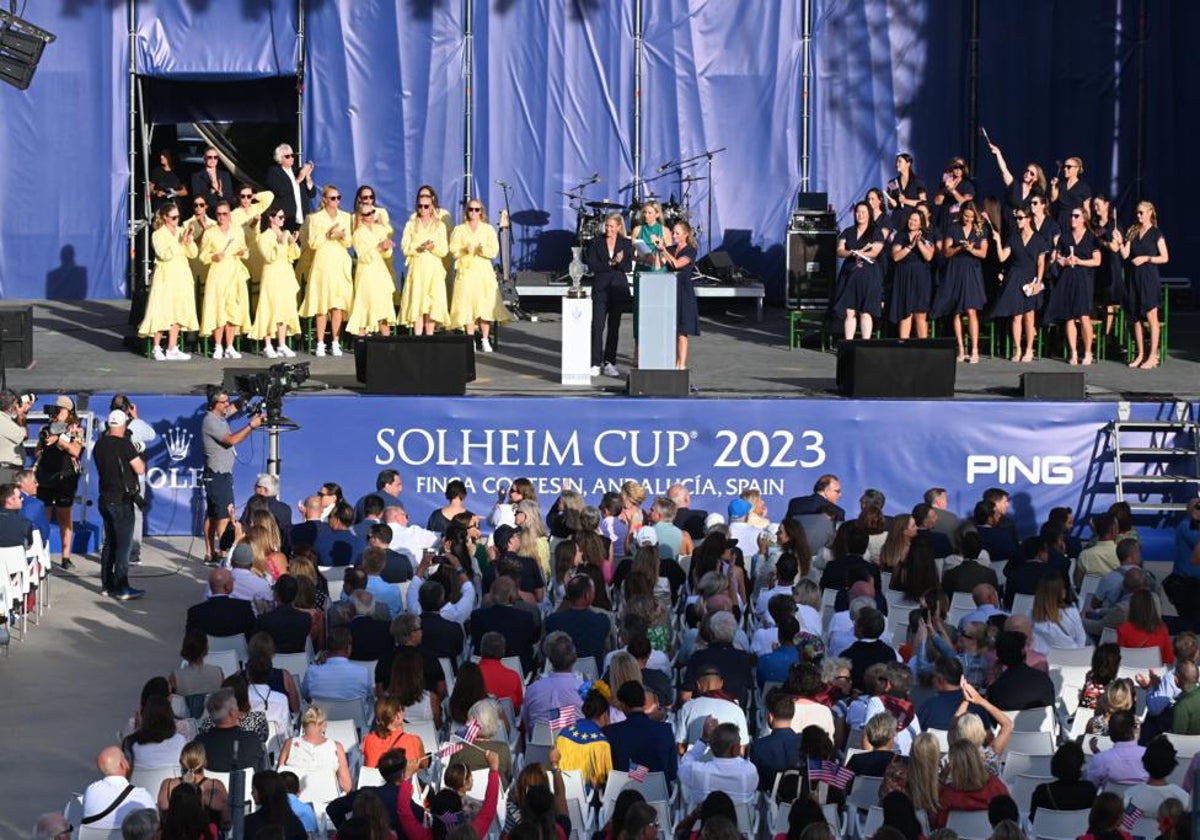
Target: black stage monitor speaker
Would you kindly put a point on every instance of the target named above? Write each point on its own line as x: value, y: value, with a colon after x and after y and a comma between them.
x: 717, y: 264
x: 811, y: 267
x: 658, y: 383
x: 1053, y: 386
x: 16, y: 331
x: 437, y: 365
x: 920, y: 368
x: 812, y: 201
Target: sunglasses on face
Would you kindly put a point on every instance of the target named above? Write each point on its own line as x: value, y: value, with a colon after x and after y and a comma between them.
x: 474, y: 209
x: 333, y: 198
x: 424, y: 206
x: 210, y: 157
x: 247, y: 196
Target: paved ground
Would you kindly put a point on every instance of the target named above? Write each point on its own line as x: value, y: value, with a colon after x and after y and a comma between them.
x: 78, y: 346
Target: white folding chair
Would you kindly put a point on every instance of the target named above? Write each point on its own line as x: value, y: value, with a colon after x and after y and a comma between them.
x: 369, y: 777
x: 1032, y: 720
x: 354, y: 710
x: 1186, y: 746
x: 151, y: 778
x: 964, y: 600
x: 1141, y: 658
x: 829, y: 597
x: 873, y: 822
x: 1118, y: 788
x: 970, y: 825
x: 1108, y: 634
x: 294, y: 663
x: 427, y: 732
x: 344, y: 732
x: 1021, y: 789
x: 1022, y: 605
x: 235, y: 643
x: 226, y: 660
x: 1146, y: 829
x: 1059, y: 825
x: 943, y: 739
x: 1032, y: 743
x: 318, y: 788
x: 17, y: 570
x: 335, y: 586
x: 1088, y: 587
x: 86, y: 832
x: 1080, y: 657
x: 1021, y: 764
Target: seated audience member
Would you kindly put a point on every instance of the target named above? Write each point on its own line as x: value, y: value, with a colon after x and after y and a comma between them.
x: 840, y: 634
x: 997, y: 531
x: 408, y: 540
x: 1160, y: 761
x: 548, y: 694
x: 968, y: 784
x: 1023, y: 624
x: 639, y: 739
x: 393, y: 768
x: 288, y: 626
x: 710, y: 701
x: 1024, y: 578
x: 370, y: 637
x: 1185, y: 713
x: 779, y: 749
x: 938, y: 712
x: 970, y: 573
x: 339, y: 545
x: 926, y: 517
x: 1069, y: 791
x: 835, y: 573
x: 374, y: 559
x: 54, y: 826
x: 389, y: 735
x: 987, y: 604
x: 315, y: 753
x: 249, y: 584
x: 1056, y: 624
x: 342, y: 611
x: 193, y: 677
x: 1122, y: 762
x: 1145, y: 627
x: 337, y: 678
x: 590, y: 629
x: 879, y: 739
x: 715, y: 762
x: 312, y: 529
x: 734, y: 665
x: 1018, y: 686
x: 441, y: 638
x: 808, y: 692
x: 397, y: 567
x: 517, y: 626
x: 99, y: 796
x: 221, y: 614
x: 218, y: 742
x: 869, y: 648
x: 498, y: 679
x: 775, y: 666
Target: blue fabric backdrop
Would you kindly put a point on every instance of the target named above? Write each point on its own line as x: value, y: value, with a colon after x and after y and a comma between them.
x: 554, y: 104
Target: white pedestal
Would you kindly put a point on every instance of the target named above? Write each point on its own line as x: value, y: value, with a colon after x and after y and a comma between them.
x: 576, y: 341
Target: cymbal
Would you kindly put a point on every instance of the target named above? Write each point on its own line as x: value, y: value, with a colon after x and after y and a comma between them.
x: 604, y: 205
x: 693, y: 178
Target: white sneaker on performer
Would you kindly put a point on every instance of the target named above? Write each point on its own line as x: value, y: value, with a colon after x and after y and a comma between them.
x: 335, y: 348
x: 485, y: 345
x: 320, y: 349
x: 611, y: 370
x: 286, y: 352
x: 230, y: 353
x: 269, y: 352
x: 594, y: 370
x: 159, y: 355
x: 218, y: 352
x: 177, y: 355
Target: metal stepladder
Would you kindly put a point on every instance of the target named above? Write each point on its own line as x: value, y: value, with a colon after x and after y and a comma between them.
x: 1167, y: 451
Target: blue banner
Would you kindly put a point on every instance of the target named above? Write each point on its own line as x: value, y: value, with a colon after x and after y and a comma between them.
x: 1043, y: 454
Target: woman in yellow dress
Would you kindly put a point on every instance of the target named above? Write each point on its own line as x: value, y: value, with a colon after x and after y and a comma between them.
x: 226, y: 310
x: 474, y: 245
x: 330, y: 286
x: 372, y: 310
x: 424, y: 245
x: 247, y: 215
x: 276, y: 314
x: 365, y: 197
x: 171, y: 306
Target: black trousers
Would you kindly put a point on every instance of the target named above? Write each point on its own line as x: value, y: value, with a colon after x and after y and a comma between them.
x: 610, y: 297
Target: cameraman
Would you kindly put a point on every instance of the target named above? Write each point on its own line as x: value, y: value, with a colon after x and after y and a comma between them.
x: 13, y: 433
x: 118, y: 464
x: 56, y: 467
x: 219, y: 441
x: 142, y: 434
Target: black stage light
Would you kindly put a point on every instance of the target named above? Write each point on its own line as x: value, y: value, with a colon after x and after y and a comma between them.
x: 21, y: 46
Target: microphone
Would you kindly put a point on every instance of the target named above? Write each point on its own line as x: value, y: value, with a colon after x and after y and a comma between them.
x: 595, y: 177
x: 503, y: 184
x: 666, y: 166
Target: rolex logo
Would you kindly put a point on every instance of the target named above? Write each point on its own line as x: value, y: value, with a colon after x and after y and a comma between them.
x: 179, y: 443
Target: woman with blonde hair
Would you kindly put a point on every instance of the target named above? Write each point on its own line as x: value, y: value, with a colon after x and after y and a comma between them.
x: 534, y: 541
x: 171, y: 307
x: 968, y: 726
x: 622, y: 668
x: 1145, y: 249
x: 652, y: 233
x: 302, y: 565
x: 192, y: 761
x: 313, y: 752
x: 372, y: 309
x: 1117, y: 697
x: 899, y: 539
x: 476, y: 301
x: 1055, y: 623
x: 918, y: 778
x: 967, y: 784
x: 1074, y: 194
x: 610, y: 258
x: 277, y: 313
x: 1077, y: 256
x: 680, y: 257
x: 330, y: 285
x: 424, y: 245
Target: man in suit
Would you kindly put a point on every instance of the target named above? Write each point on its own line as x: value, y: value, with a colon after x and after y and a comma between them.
x: 211, y: 183
x: 998, y: 541
x: 926, y: 517
x: 1024, y: 579
x: 639, y: 739
x: 734, y: 665
x: 869, y: 649
x: 220, y: 614
x: 834, y: 576
x: 371, y: 639
x: 266, y: 486
x: 288, y: 626
x: 968, y: 574
x: 517, y: 626
x: 826, y: 490
x: 388, y: 485
x: 397, y: 568
x: 313, y: 529
x: 340, y: 546
x: 947, y: 522
x: 687, y: 519
x: 293, y: 186
x: 779, y: 749
x: 1019, y: 686
x: 440, y: 638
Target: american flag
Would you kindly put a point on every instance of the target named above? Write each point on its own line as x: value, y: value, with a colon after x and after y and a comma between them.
x: 638, y: 772
x: 566, y: 717
x: 1131, y: 816
x: 467, y: 736
x: 829, y: 772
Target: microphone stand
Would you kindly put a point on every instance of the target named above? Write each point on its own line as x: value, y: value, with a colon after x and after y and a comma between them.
x: 709, y: 155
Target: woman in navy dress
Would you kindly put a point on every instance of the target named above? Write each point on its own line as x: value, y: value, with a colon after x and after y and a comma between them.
x: 956, y: 191
x: 961, y: 290
x: 1110, y: 281
x: 858, y: 294
x: 680, y: 257
x: 906, y: 190
x: 1146, y: 249
x: 1077, y: 256
x: 1024, y: 256
x: 1073, y: 192
x: 912, y: 252
x: 1018, y: 193
x: 882, y: 219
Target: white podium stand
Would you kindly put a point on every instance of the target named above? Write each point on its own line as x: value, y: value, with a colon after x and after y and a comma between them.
x: 576, y: 341
x: 654, y: 302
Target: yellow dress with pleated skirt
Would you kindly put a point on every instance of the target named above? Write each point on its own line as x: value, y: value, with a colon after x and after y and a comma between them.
x: 330, y: 285
x: 425, y: 281
x: 373, y: 284
x: 172, y: 299
x: 278, y: 289
x: 226, y: 298
x: 476, y: 292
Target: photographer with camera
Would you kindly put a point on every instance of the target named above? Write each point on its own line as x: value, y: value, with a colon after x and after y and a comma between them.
x: 142, y: 434
x: 56, y: 467
x: 219, y: 441
x: 13, y: 433
x: 118, y: 464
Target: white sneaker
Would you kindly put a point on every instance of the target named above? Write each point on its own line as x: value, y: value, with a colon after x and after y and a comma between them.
x: 594, y: 370
x: 485, y: 345
x: 335, y: 348
x: 320, y: 349
x: 159, y: 355
x: 286, y: 352
x: 219, y: 352
x: 611, y: 370
x: 269, y: 352
x: 230, y: 353
x: 177, y: 355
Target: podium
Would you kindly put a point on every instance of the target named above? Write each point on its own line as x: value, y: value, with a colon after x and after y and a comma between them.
x: 654, y: 294
x: 576, y: 341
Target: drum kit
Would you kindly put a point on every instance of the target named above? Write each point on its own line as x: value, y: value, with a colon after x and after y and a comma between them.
x: 590, y: 215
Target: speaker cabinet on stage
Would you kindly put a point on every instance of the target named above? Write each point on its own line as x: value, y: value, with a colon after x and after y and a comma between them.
x: 914, y: 368
x: 1053, y: 386
x: 16, y: 331
x: 718, y: 265
x: 436, y: 365
x: 811, y: 263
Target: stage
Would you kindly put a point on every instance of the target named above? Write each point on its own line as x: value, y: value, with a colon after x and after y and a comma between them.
x: 79, y: 346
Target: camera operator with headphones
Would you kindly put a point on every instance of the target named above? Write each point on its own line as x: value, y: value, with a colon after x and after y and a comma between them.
x: 13, y: 433
x: 219, y: 441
